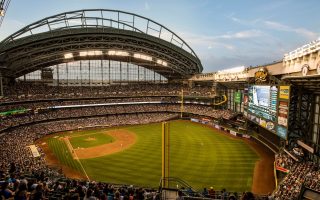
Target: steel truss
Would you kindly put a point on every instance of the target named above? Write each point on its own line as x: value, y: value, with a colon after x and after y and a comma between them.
x: 301, y: 112
x: 45, y: 42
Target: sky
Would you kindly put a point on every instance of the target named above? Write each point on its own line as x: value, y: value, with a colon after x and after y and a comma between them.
x: 223, y: 33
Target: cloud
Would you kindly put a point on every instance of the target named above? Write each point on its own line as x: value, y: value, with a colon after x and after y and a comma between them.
x: 204, y: 41
x: 146, y: 6
x: 243, y: 21
x: 225, y: 41
x: 247, y: 47
x: 266, y: 24
x: 282, y: 27
x: 243, y: 34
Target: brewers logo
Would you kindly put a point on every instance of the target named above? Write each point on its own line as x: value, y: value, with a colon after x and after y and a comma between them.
x: 261, y: 75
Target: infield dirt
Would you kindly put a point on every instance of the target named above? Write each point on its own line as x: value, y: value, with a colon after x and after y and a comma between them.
x: 123, y: 140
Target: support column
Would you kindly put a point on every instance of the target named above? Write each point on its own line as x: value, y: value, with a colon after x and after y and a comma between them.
x: 138, y: 73
x: 109, y: 73
x: 1, y: 85
x: 67, y: 69
x: 127, y: 72
x: 120, y: 73
x: 80, y: 74
x: 89, y: 72
x: 57, y: 66
x: 101, y: 62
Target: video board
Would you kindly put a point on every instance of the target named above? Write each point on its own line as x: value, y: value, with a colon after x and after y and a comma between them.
x: 262, y: 105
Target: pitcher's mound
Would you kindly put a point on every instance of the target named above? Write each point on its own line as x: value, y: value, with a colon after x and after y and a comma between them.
x: 90, y: 139
x: 123, y: 140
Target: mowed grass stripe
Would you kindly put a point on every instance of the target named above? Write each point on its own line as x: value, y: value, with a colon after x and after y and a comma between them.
x: 199, y: 155
x: 60, y: 150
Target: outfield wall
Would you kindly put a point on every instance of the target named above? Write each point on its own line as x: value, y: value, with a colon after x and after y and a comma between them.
x: 233, y: 132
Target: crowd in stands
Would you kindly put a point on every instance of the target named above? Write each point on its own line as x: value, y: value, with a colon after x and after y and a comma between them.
x: 30, y: 91
x: 22, y: 175
x: 300, y: 173
x: 226, y: 195
x: 65, y: 113
x: 33, y: 105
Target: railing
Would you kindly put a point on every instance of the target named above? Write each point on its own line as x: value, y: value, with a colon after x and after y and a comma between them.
x: 229, y: 76
x: 312, y: 47
x: 174, y: 183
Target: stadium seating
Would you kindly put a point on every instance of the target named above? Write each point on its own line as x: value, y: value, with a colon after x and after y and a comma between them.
x: 17, y: 131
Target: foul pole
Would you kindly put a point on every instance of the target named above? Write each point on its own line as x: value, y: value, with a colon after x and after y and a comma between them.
x: 165, y: 154
x: 181, y: 107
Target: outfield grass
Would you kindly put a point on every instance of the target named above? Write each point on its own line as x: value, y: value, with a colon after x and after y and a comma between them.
x: 199, y: 156
x: 90, y: 140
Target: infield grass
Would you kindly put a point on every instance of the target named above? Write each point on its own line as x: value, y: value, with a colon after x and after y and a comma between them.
x: 198, y: 154
x: 90, y: 140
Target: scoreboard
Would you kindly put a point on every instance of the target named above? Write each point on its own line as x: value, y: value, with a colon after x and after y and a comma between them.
x: 267, y: 106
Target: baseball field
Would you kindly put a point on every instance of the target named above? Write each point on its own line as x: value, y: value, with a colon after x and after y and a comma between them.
x: 200, y: 155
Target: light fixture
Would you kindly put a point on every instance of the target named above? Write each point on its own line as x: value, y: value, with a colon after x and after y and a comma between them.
x: 117, y: 53
x: 68, y: 55
x: 161, y: 62
x: 142, y: 56
x: 1, y: 12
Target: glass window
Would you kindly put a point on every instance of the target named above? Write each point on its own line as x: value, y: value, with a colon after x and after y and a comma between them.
x: 316, y: 118
x: 314, y: 139
x: 315, y: 128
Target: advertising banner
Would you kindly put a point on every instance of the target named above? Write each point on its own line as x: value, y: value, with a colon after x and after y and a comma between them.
x: 283, y: 113
x: 194, y: 120
x: 282, y: 132
x: 284, y: 92
x: 233, y: 133
x: 237, y: 97
x: 246, y: 136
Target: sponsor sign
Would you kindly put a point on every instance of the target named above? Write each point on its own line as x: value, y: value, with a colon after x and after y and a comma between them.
x: 263, y: 123
x: 284, y: 92
x: 282, y: 132
x: 283, y: 113
x: 270, y: 126
x: 194, y: 120
x: 246, y: 136
x: 205, y: 120
x: 245, y: 99
x: 233, y: 133
x: 261, y: 75
x: 237, y: 97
